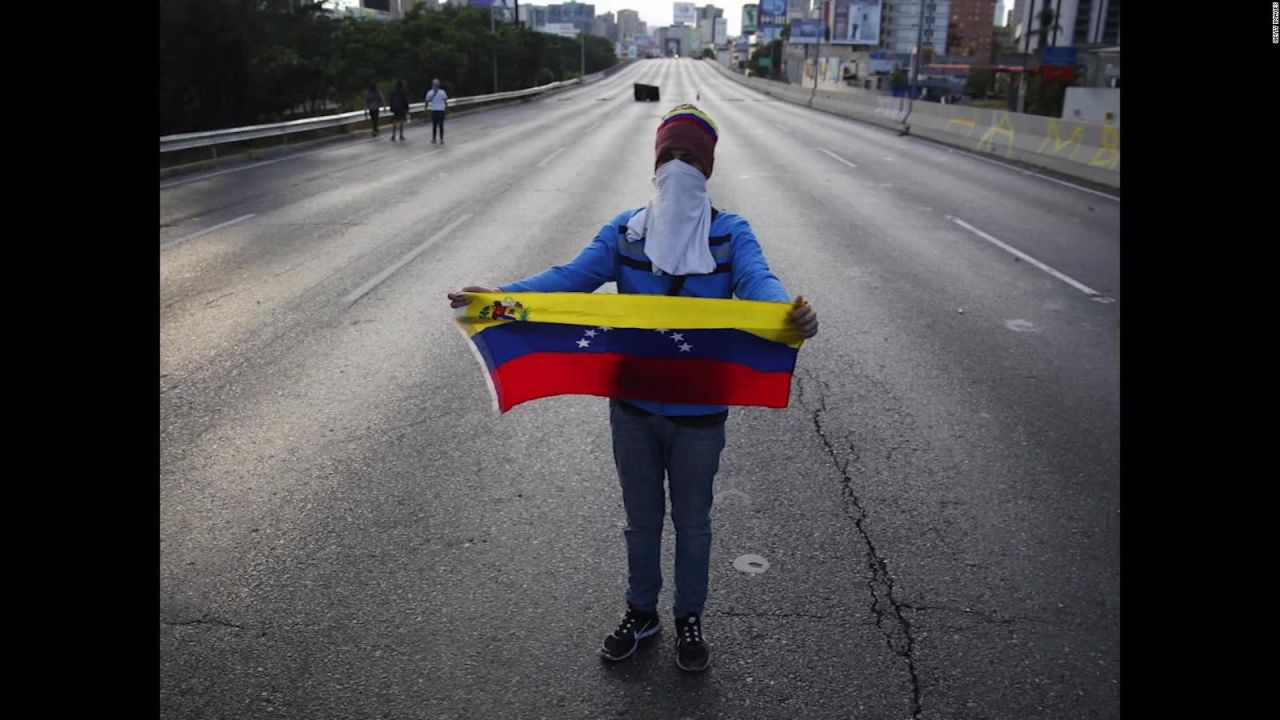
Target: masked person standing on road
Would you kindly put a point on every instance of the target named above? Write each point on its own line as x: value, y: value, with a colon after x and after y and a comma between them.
x: 677, y: 244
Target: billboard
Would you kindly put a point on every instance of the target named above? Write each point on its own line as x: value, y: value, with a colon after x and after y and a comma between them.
x: 684, y: 12
x: 769, y: 33
x: 750, y: 18
x: 773, y: 13
x: 855, y: 22
x: 644, y: 40
x: 1058, y: 56
x: 561, y: 29
x: 806, y: 32
x: 741, y: 44
x: 721, y: 35
x: 673, y: 46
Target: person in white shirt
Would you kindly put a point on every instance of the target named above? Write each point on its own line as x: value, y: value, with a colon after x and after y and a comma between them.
x: 436, y: 103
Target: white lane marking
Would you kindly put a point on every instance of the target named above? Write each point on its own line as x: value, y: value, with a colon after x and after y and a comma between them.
x: 206, y: 176
x: 1073, y: 283
x: 779, y: 127
x: 1020, y: 170
x: 846, y: 162
x: 1020, y: 325
x: 593, y: 127
x: 206, y: 231
x: 548, y: 158
x: 380, y: 277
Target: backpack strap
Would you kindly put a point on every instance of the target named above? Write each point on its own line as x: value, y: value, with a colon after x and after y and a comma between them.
x: 677, y: 281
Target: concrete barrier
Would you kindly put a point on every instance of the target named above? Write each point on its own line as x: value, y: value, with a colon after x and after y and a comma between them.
x: 1086, y: 150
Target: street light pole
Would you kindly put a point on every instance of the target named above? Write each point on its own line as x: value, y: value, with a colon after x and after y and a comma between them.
x: 915, y: 60
x: 915, y: 72
x: 1026, y: 50
x: 494, y: 31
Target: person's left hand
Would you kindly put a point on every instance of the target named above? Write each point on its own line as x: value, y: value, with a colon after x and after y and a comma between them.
x: 804, y: 316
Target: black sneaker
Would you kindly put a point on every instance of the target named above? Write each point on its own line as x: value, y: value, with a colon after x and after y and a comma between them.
x: 692, y: 652
x: 635, y: 626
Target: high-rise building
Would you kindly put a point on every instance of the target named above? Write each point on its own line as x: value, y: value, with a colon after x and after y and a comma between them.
x: 628, y: 25
x: 580, y: 15
x: 1078, y: 22
x: 605, y: 26
x: 1097, y: 22
x: 533, y: 16
x: 900, y: 25
x: 969, y: 30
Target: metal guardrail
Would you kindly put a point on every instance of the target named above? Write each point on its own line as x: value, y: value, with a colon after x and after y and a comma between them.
x: 184, y: 141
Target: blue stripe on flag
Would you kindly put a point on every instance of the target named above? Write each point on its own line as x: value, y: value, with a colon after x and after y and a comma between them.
x: 500, y: 343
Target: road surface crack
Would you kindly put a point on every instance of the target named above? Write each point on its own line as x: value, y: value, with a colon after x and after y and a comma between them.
x: 986, y: 618
x: 734, y: 613
x: 887, y: 609
x: 202, y: 620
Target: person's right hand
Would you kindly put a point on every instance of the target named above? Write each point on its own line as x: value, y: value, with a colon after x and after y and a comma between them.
x: 457, y: 300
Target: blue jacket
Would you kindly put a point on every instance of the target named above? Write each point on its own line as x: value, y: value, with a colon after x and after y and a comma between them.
x: 741, y: 270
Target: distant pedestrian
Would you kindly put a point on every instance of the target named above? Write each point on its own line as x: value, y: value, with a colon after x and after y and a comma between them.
x: 399, y: 110
x: 437, y: 101
x: 373, y: 105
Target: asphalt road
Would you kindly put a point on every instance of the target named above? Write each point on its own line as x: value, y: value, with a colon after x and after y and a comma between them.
x: 348, y: 531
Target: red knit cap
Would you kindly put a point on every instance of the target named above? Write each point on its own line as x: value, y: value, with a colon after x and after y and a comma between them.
x: 689, y: 129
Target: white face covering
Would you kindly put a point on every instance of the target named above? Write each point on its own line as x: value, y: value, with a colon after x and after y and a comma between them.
x: 677, y: 221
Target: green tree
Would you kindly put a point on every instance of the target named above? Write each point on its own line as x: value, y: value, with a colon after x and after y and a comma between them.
x: 225, y: 63
x: 1048, y: 23
x: 979, y: 83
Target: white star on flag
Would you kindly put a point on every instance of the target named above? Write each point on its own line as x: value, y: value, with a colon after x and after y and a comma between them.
x: 591, y: 333
x: 660, y: 330
x: 678, y: 337
x: 685, y: 347
x: 605, y: 329
x: 583, y: 343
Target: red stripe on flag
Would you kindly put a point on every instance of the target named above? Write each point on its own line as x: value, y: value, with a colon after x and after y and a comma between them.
x: 691, y: 381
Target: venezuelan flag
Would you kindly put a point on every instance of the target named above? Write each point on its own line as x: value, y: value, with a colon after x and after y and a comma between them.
x: 633, y: 347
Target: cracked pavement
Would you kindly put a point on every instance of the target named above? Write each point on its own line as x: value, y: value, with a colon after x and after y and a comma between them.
x: 348, y: 532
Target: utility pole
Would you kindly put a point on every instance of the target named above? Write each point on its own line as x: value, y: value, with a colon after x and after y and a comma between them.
x: 915, y: 60
x: 1026, y: 50
x: 915, y: 71
x: 494, y: 31
x: 1056, y: 14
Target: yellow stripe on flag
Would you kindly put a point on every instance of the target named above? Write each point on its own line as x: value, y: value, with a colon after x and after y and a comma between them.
x: 764, y: 319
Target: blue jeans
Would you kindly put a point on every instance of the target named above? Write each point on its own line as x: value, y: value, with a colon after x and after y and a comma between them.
x: 645, y: 448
